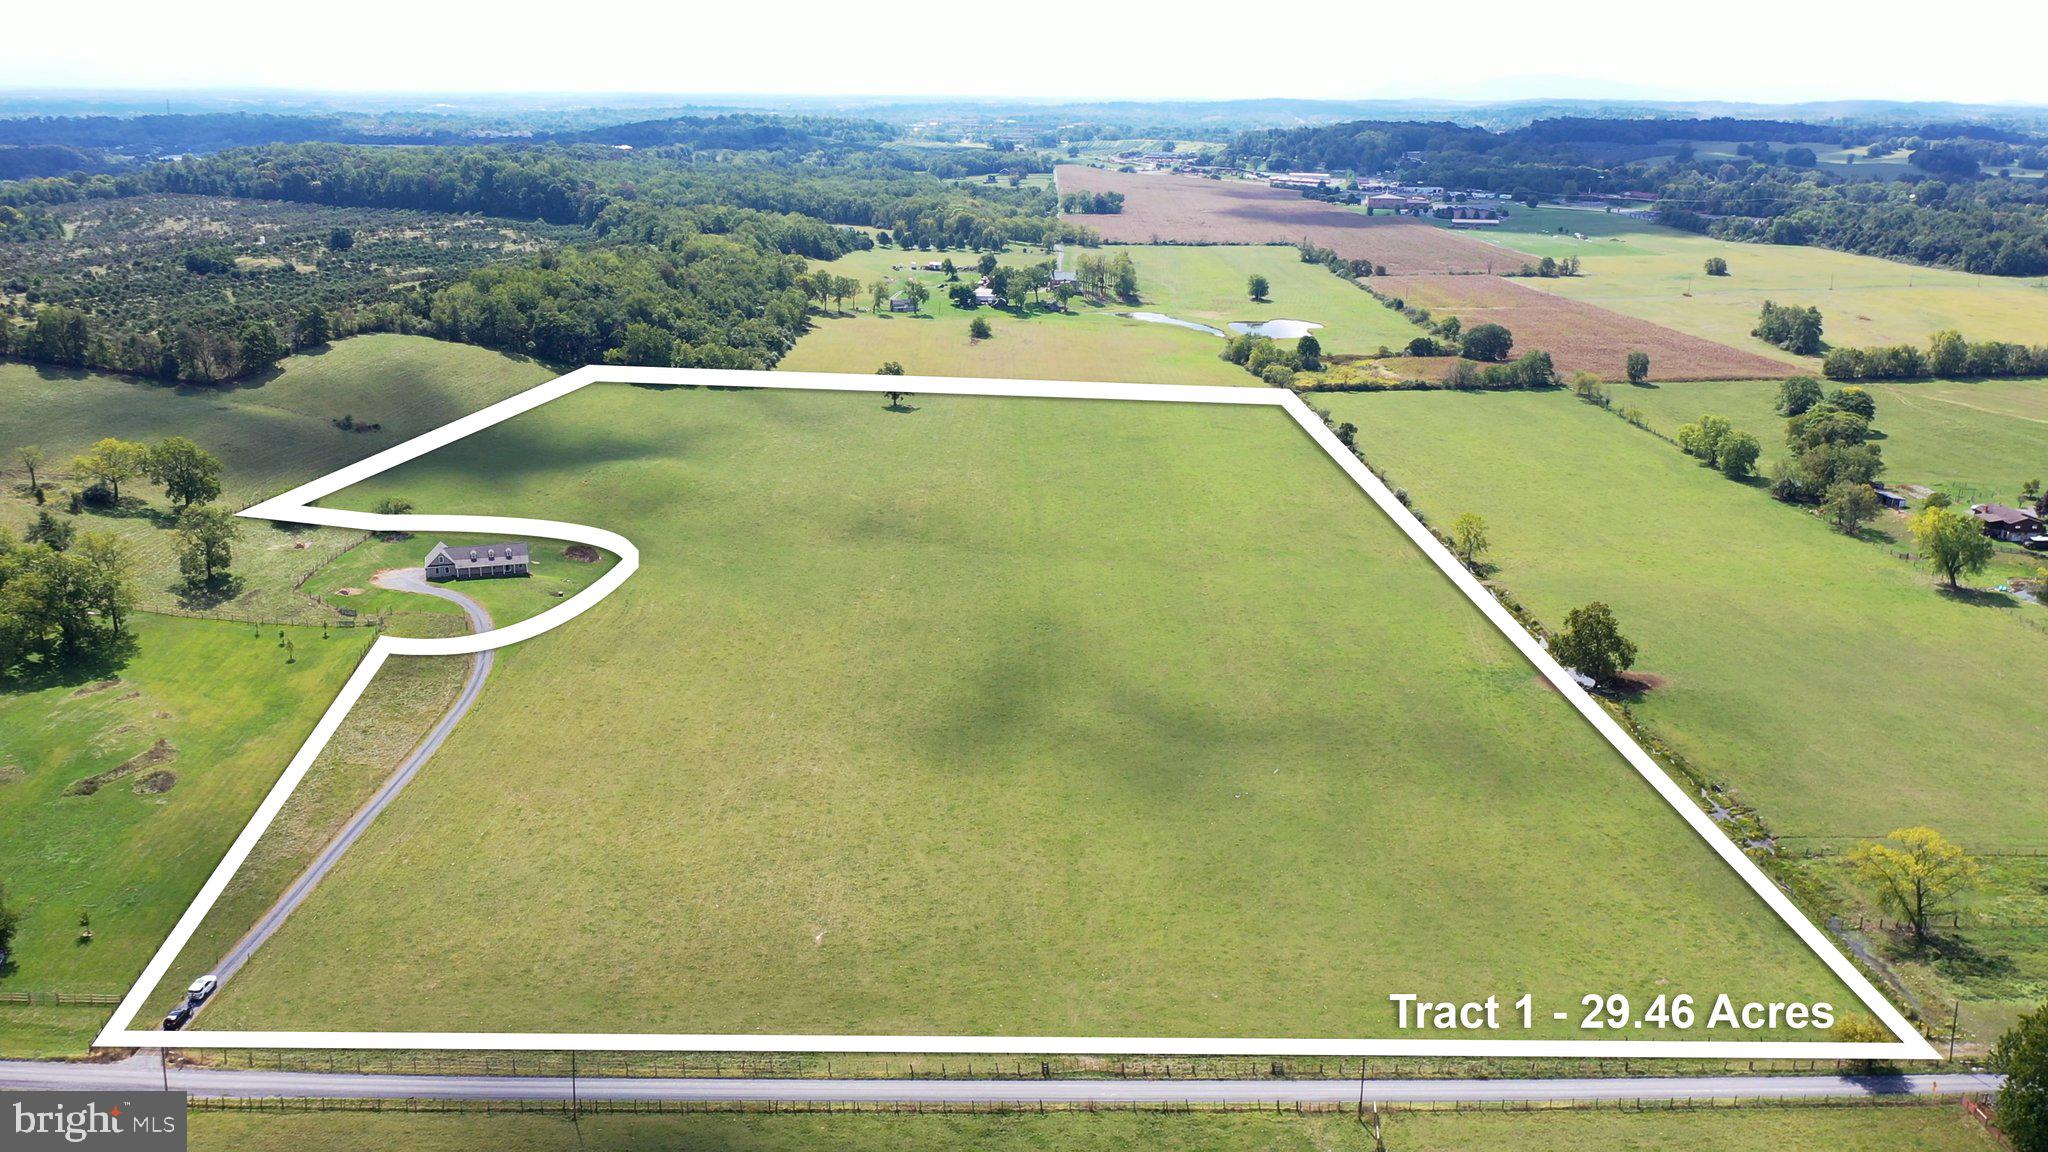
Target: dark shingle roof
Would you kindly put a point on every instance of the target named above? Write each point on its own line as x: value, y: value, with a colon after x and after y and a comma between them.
x: 466, y: 556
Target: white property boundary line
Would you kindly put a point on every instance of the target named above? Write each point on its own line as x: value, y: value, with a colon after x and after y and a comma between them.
x: 297, y: 505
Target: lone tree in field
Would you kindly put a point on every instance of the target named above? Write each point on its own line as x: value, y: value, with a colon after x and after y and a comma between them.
x: 207, y: 534
x: 895, y: 399
x: 111, y: 461
x: 1638, y: 367
x: 190, y: 474
x: 2022, y: 1057
x: 889, y: 368
x: 1309, y: 351
x: 878, y: 294
x: 31, y: 457
x: 1486, y: 342
x: 1716, y: 266
x: 1468, y: 537
x: 917, y: 294
x: 978, y: 329
x: 1592, y: 643
x: 1257, y: 286
x: 1953, y: 542
x: 1918, y: 874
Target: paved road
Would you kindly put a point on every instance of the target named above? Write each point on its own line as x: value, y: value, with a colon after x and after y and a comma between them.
x: 143, y: 1071
x: 401, y: 580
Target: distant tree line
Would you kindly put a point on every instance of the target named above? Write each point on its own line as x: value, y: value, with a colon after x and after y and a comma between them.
x: 688, y: 260
x: 1948, y: 355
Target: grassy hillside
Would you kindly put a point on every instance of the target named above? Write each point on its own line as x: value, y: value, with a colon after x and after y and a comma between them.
x: 1866, y: 1129
x: 270, y: 434
x: 995, y: 716
x: 1657, y: 273
x: 208, y: 702
x: 1830, y: 682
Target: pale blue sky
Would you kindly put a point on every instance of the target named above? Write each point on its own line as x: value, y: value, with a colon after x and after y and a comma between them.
x: 1760, y: 50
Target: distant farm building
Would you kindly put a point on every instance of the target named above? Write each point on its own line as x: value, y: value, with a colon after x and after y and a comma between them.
x: 1302, y: 180
x: 900, y: 304
x: 1890, y: 499
x: 476, y: 561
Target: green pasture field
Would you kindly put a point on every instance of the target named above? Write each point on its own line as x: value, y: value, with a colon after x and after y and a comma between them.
x: 1833, y: 685
x: 1866, y: 1128
x: 405, y: 700
x: 225, y: 700
x: 270, y: 434
x: 1647, y: 270
x: 1204, y: 284
x: 1977, y: 440
x: 995, y: 716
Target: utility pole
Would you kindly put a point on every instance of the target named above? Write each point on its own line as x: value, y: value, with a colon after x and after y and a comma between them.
x: 574, y: 1105
x: 1955, y: 1022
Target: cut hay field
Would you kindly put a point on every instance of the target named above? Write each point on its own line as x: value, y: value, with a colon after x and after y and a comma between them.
x: 1655, y: 273
x: 1830, y: 683
x: 1201, y: 284
x: 1905, y: 1128
x: 1161, y: 208
x: 1977, y: 440
x: 186, y: 740
x: 1580, y: 337
x: 270, y: 434
x: 994, y: 716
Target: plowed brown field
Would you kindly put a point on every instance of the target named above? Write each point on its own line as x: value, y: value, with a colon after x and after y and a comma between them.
x: 1167, y: 209
x: 1579, y: 336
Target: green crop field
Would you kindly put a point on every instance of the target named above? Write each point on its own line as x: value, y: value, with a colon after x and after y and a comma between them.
x: 1830, y: 682
x: 1646, y: 270
x: 1205, y: 285
x: 1978, y: 440
x: 270, y: 434
x: 1906, y: 1128
x: 211, y: 704
x: 994, y: 716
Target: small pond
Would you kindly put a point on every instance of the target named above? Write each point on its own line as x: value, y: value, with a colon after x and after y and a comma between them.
x: 1277, y: 329
x: 1163, y: 318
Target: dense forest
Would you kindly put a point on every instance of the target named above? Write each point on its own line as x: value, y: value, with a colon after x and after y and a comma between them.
x: 687, y: 252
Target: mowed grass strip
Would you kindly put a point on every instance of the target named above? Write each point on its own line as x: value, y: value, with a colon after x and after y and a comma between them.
x: 996, y: 716
x: 1658, y: 274
x: 1866, y: 1128
x: 1162, y: 208
x: 1831, y: 683
x: 228, y: 711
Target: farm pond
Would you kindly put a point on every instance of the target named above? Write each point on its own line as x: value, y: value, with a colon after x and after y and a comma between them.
x: 1277, y: 329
